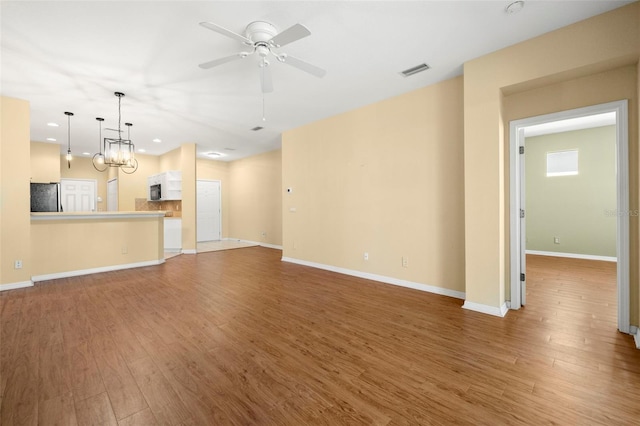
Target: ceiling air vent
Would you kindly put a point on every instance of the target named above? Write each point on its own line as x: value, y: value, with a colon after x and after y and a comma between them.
x: 415, y: 70
x: 255, y: 129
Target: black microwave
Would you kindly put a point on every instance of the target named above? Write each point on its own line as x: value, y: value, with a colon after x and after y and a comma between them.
x: 155, y: 192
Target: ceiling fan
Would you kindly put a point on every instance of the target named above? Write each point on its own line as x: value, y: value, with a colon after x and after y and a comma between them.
x: 263, y: 39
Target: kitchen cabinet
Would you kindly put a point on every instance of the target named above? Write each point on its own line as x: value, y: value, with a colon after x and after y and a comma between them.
x: 172, y: 234
x: 170, y: 185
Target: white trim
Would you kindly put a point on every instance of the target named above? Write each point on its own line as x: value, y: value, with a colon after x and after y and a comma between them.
x: 516, y: 128
x: 573, y: 255
x: 173, y: 250
x: 380, y: 278
x: 486, y: 309
x: 189, y: 251
x: 267, y: 245
x: 79, y: 272
x: 633, y: 330
x: 14, y: 286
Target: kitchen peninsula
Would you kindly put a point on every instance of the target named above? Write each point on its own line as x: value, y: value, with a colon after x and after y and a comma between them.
x: 70, y: 244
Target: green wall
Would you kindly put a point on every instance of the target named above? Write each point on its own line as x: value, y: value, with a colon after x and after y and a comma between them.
x: 579, y: 210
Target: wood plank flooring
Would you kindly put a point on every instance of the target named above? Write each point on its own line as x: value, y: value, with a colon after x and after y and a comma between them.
x: 239, y: 337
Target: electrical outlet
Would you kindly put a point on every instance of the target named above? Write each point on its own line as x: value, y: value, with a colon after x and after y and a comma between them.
x: 405, y: 262
x: 124, y: 250
x: 366, y: 256
x: 18, y: 264
x: 556, y: 240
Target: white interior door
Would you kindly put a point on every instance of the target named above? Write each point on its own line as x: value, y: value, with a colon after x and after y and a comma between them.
x: 523, y: 224
x: 112, y: 195
x: 208, y: 214
x: 78, y: 195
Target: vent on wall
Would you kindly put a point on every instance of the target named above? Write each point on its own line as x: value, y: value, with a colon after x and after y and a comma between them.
x: 255, y: 129
x: 415, y: 70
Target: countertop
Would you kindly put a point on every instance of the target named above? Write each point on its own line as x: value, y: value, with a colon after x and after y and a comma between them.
x: 96, y: 215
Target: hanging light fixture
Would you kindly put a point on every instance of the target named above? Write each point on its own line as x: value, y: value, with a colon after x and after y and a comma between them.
x: 98, y: 159
x: 69, y: 156
x: 118, y: 152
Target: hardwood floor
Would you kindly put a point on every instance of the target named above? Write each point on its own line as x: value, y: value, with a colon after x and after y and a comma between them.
x: 239, y: 337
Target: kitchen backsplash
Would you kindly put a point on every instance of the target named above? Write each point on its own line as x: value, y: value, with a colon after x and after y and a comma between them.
x: 173, y: 208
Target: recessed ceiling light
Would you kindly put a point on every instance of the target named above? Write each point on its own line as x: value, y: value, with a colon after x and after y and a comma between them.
x: 51, y: 139
x: 156, y: 140
x: 86, y: 153
x: 142, y: 150
x: 214, y: 154
x: 514, y: 7
x: 53, y: 124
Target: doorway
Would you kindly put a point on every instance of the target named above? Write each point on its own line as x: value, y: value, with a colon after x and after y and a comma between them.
x: 112, y: 195
x: 78, y: 195
x: 208, y: 210
x: 517, y: 202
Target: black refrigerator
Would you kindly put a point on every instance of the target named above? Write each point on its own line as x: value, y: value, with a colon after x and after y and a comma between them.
x: 45, y: 197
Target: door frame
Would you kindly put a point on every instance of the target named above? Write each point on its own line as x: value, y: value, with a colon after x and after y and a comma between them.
x: 109, y: 181
x: 516, y: 139
x: 219, y: 204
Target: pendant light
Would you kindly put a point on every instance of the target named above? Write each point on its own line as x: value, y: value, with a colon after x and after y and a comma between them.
x: 98, y: 159
x: 118, y: 152
x: 69, y: 157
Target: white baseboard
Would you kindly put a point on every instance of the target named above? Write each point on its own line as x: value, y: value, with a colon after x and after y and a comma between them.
x: 486, y: 309
x: 77, y: 273
x: 258, y: 243
x: 189, y: 251
x: 13, y: 286
x: 573, y: 255
x: 380, y: 278
x: 635, y: 332
x: 172, y: 250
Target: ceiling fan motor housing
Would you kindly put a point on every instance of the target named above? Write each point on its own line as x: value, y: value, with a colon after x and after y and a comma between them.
x: 260, y: 32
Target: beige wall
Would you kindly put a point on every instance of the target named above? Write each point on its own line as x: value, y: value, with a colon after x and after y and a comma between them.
x: 386, y: 179
x: 72, y: 245
x: 217, y: 170
x: 256, y: 198
x: 579, y: 210
x: 172, y: 160
x: 15, y: 173
x: 604, y: 42
x: 187, y: 165
x: 134, y: 185
x: 45, y: 162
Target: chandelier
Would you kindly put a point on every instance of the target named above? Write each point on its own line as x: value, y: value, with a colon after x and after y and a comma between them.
x: 116, y: 152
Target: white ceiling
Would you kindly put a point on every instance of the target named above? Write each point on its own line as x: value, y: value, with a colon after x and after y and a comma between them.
x: 72, y: 56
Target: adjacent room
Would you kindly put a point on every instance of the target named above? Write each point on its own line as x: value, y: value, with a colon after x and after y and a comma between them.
x: 319, y: 212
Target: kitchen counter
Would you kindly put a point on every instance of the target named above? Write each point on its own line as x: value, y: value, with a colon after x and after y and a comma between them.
x: 96, y: 215
x: 78, y: 243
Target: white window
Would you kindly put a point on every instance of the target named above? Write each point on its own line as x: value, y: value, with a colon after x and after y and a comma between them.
x: 562, y: 163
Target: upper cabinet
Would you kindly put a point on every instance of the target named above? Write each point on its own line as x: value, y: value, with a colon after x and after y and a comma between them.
x: 170, y: 185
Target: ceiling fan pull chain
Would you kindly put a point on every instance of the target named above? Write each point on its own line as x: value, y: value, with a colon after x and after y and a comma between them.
x: 263, y: 117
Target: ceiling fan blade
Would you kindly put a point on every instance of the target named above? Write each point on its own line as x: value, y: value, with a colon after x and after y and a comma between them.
x: 290, y: 35
x: 302, y: 65
x: 265, y: 79
x: 217, y: 28
x: 220, y: 61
